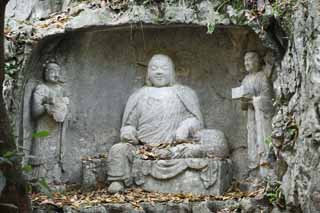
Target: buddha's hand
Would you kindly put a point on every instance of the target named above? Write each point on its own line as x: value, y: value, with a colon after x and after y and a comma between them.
x: 188, y: 128
x: 182, y: 134
x: 129, y: 135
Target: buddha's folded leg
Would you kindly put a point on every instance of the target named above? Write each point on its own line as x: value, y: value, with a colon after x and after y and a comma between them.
x: 187, y: 151
x: 120, y: 162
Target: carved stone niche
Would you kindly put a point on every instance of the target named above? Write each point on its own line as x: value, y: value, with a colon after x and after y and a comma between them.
x: 104, y: 67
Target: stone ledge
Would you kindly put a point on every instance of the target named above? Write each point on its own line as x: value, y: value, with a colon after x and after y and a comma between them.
x: 196, y: 207
x: 227, y: 206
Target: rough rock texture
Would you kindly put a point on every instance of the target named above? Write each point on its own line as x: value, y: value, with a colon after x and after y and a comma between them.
x: 297, y: 124
x: 93, y: 173
x: 170, y: 207
x: 242, y: 205
x: 35, y: 9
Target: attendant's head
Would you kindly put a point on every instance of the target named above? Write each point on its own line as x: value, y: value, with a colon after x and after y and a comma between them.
x: 161, y: 71
x: 52, y: 73
x: 252, y: 62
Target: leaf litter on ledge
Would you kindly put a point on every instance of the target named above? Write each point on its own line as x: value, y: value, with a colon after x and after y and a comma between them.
x: 135, y: 196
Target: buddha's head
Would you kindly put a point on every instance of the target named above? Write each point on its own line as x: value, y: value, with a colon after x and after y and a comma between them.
x: 52, y: 73
x: 252, y: 62
x: 161, y: 71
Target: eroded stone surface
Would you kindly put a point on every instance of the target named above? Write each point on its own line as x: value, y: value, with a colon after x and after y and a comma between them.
x: 93, y: 173
x: 296, y: 124
x: 164, y: 112
x: 199, y: 176
x: 93, y: 73
x: 244, y: 205
x: 49, y: 110
x: 255, y: 94
x: 129, y: 43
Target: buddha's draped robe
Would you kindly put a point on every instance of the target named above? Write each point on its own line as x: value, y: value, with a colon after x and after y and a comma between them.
x: 156, y: 113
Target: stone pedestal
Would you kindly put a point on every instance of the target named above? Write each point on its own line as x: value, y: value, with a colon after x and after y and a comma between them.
x: 191, y: 175
x: 94, y: 172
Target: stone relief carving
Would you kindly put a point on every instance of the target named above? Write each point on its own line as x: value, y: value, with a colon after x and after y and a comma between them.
x: 49, y: 111
x: 166, y: 117
x: 315, y: 75
x: 255, y: 94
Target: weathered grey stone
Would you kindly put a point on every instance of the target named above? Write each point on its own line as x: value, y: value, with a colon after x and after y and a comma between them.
x: 35, y: 9
x: 94, y: 125
x: 296, y: 125
x: 199, y: 176
x: 49, y: 110
x: 20, y: 10
x: 93, y: 172
x: 139, y: 27
x: 116, y: 187
x: 201, y: 208
x: 164, y: 112
x: 95, y: 209
x: 125, y: 208
x: 255, y: 94
x: 247, y: 205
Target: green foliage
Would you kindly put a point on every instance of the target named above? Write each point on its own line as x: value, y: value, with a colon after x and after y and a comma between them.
x: 27, y: 168
x: 11, y: 67
x: 283, y: 10
x: 9, y: 158
x: 213, y: 19
x: 274, y: 194
x: 236, y: 16
x: 44, y: 187
x: 4, y: 160
x: 210, y: 28
x: 268, y: 141
x: 236, y: 4
x: 240, y: 13
x: 40, y: 134
x: 13, y: 158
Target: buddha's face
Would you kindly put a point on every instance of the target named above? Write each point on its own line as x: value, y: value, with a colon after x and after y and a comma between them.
x: 251, y: 62
x: 160, y: 71
x: 52, y: 73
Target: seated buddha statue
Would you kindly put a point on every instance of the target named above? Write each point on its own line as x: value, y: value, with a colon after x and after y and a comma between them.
x: 161, y: 112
